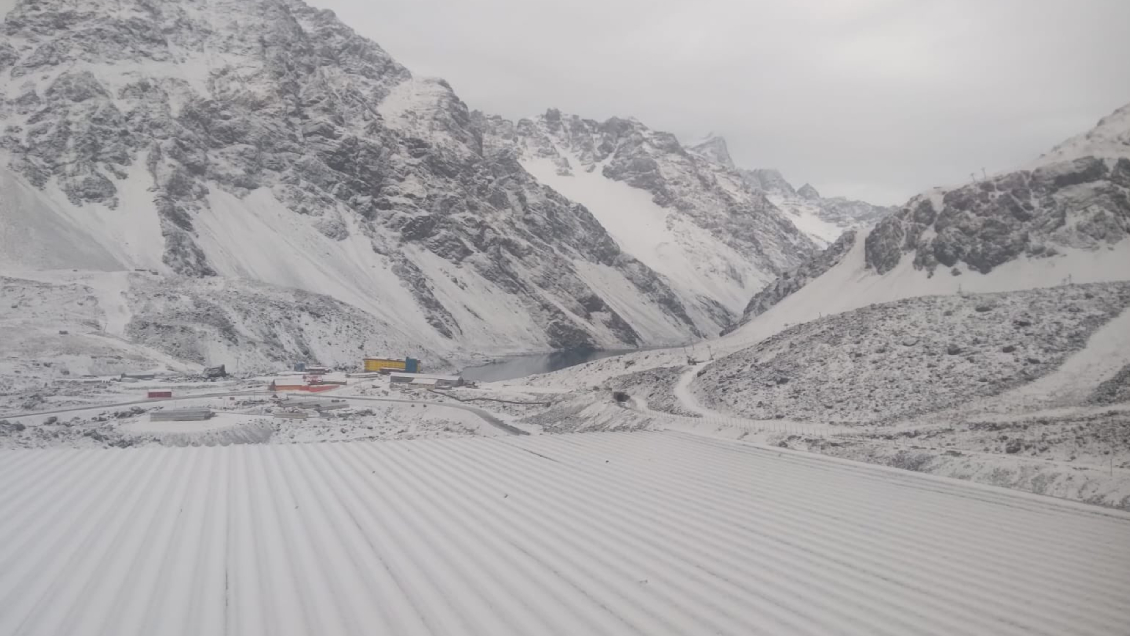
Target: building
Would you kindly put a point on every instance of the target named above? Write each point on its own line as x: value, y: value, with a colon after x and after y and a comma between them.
x: 408, y: 365
x: 420, y: 379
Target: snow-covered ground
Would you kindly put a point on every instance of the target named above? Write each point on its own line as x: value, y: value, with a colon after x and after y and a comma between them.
x: 117, y: 414
x: 656, y: 533
x: 61, y: 325
x: 919, y: 355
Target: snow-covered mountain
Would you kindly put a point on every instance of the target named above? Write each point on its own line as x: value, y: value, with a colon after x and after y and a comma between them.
x: 714, y: 148
x: 684, y: 213
x: 265, y: 140
x: 1065, y: 219
x: 824, y: 219
x: 1109, y: 139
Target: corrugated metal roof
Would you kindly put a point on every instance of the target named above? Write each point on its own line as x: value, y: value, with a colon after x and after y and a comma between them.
x: 644, y: 533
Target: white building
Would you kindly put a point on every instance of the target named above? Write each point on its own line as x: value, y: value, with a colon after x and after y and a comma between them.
x: 424, y: 379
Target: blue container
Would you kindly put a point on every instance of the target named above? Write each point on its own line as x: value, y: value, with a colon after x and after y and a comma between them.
x: 411, y: 365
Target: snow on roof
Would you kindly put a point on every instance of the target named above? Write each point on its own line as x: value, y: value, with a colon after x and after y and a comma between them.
x: 606, y: 533
x: 426, y: 376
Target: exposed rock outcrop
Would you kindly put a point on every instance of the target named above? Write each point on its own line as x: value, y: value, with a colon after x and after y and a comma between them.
x: 1077, y: 203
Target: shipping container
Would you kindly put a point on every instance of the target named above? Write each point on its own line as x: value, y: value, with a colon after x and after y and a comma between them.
x: 160, y: 394
x: 410, y: 365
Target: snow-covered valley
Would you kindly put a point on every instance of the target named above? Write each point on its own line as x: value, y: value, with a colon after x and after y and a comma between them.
x: 252, y: 184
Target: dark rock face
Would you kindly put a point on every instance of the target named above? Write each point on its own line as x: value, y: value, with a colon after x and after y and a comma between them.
x: 677, y: 178
x: 698, y: 186
x: 1114, y: 390
x: 769, y: 180
x: 806, y: 191
x: 884, y: 245
x: 714, y: 149
x: 294, y: 108
x: 1082, y: 203
x: 794, y: 279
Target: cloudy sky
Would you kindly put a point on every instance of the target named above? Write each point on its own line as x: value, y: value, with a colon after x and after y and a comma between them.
x: 876, y: 99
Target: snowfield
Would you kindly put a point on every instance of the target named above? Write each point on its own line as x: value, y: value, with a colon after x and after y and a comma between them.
x: 654, y: 533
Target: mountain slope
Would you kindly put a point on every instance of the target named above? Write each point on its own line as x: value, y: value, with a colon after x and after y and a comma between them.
x: 265, y: 140
x: 62, y: 325
x: 824, y: 219
x: 909, y: 357
x: 1066, y: 220
x: 680, y: 213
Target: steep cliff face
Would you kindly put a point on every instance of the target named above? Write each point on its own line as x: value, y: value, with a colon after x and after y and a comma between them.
x: 684, y: 212
x: 1082, y: 202
x: 265, y: 140
x: 1077, y: 196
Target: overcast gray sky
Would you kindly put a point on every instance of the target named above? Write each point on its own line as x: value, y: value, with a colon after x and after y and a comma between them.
x: 876, y: 99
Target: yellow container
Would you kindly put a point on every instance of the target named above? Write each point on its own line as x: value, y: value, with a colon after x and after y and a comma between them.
x: 376, y: 364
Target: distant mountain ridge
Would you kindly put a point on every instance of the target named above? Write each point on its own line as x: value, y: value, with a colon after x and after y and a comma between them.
x: 822, y: 219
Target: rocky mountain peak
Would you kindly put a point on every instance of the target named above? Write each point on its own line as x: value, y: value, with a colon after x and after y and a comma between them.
x: 824, y: 219
x: 713, y: 147
x: 1109, y: 139
x: 768, y: 179
x: 683, y: 212
x: 264, y: 139
x: 806, y: 191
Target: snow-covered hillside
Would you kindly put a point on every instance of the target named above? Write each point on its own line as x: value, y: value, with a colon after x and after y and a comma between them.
x: 909, y: 357
x: 64, y: 325
x: 266, y: 141
x: 1064, y: 221
x: 1109, y: 139
x: 679, y: 212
